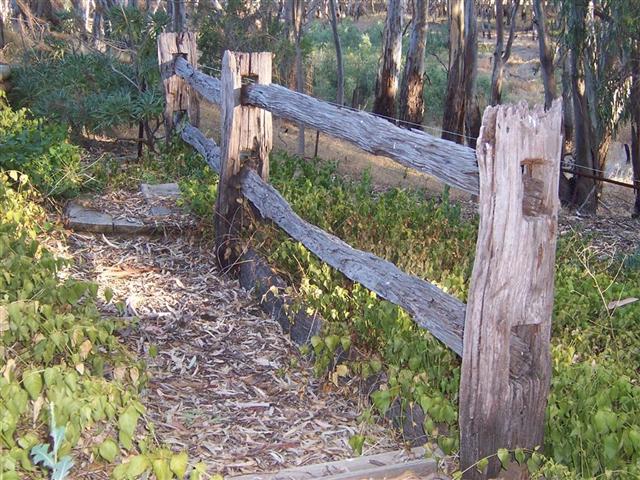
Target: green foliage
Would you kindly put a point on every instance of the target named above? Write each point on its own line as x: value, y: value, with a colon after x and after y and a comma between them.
x: 39, y: 149
x: 99, y: 91
x: 242, y: 27
x: 594, y: 404
x: 361, y: 53
x: 62, y: 365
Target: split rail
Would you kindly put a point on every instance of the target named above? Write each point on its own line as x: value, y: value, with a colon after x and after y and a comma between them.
x: 503, y: 332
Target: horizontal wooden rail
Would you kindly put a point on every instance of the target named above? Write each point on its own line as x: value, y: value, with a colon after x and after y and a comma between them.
x: 431, y: 308
x: 453, y: 164
x: 205, y: 85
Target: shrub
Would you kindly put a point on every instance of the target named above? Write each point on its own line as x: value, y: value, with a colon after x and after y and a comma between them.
x: 98, y: 91
x: 39, y: 149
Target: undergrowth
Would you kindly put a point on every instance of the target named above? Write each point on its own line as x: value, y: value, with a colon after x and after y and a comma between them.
x: 69, y: 389
x: 593, y: 417
x: 40, y: 149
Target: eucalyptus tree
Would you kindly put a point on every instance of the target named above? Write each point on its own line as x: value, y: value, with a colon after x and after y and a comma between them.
x: 411, y: 88
x: 338, y: 47
x: 502, y: 52
x: 389, y: 67
x: 454, y: 105
x: 599, y: 38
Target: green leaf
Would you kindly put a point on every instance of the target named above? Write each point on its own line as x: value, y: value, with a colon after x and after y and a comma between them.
x: 505, y: 457
x: 137, y: 466
x: 634, y: 437
x: 381, y: 400
x: 120, y: 472
x: 332, y: 342
x: 199, y: 470
x: 356, y: 442
x: 611, y: 446
x: 520, y: 456
x: 108, y: 294
x: 178, y: 464
x: 482, y: 464
x: 161, y: 470
x: 127, y: 426
x: 32, y: 382
x: 108, y: 450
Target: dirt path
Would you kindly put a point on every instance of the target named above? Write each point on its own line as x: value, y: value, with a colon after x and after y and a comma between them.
x: 226, y: 384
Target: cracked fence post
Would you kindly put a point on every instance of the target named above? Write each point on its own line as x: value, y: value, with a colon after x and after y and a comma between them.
x: 180, y: 98
x: 511, y: 290
x: 247, y: 138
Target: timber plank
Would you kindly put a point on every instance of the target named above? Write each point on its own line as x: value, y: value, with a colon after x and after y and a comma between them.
x: 375, y: 467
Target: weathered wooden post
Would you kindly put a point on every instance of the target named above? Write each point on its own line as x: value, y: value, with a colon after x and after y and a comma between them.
x: 247, y: 136
x: 511, y: 291
x: 179, y: 96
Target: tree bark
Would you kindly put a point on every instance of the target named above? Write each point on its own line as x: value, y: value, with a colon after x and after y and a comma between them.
x: 411, y: 89
x: 389, y: 69
x: 585, y: 192
x: 473, y: 118
x: 1, y: 31
x: 454, y: 106
x: 567, y: 102
x: 178, y: 15
x: 502, y: 53
x: 338, y: 46
x: 635, y: 126
x: 297, y: 9
x: 546, y: 55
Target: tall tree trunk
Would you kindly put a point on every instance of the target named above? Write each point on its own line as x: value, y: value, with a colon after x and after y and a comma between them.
x: 411, y: 88
x: 454, y: 114
x: 502, y: 53
x: 1, y: 30
x: 389, y: 69
x: 297, y: 10
x: 585, y: 191
x: 635, y: 126
x: 472, y: 119
x: 546, y: 55
x: 178, y: 15
x: 567, y: 102
x: 339, y: 61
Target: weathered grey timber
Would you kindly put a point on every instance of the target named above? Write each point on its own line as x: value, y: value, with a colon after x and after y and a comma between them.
x: 178, y: 95
x: 374, y: 467
x: 207, y: 148
x: 511, y: 291
x: 205, y: 85
x: 365, y: 268
x: 431, y: 308
x: 245, y: 130
x: 453, y: 164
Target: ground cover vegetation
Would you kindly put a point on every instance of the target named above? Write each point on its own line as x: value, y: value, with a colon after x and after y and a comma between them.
x: 592, y: 419
x: 69, y: 388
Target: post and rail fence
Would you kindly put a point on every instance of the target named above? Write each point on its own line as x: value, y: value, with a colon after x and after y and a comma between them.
x: 503, y: 332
